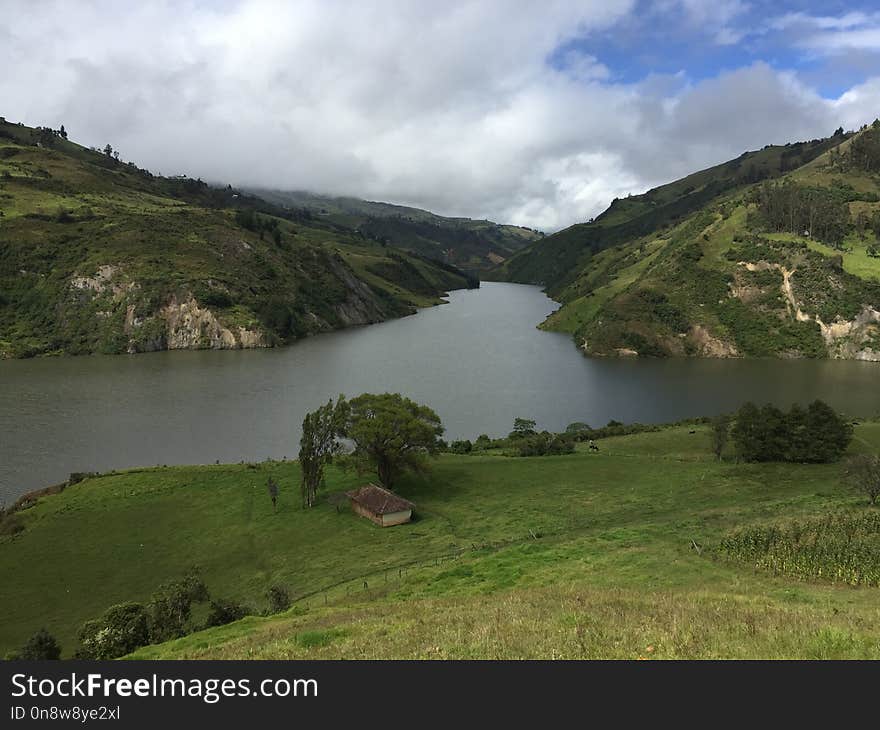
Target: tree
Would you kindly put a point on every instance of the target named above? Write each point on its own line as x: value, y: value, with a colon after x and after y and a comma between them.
x: 319, y: 444
x: 108, y: 150
x: 122, y: 629
x: 522, y: 427
x: 817, y: 434
x: 863, y: 474
x: 720, y: 434
x: 224, y: 612
x: 746, y: 432
x: 577, y: 427
x: 246, y: 218
x: 171, y: 606
x: 829, y: 433
x: 279, y: 599
x: 799, y: 447
x: 545, y: 444
x: 392, y: 434
x: 42, y: 645
x: 62, y: 132
x: 483, y: 442
x: 774, y: 434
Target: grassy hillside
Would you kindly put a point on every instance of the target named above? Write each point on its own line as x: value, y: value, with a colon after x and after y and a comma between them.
x: 475, y: 245
x: 97, y: 255
x: 569, y: 556
x: 772, y: 254
x: 558, y: 258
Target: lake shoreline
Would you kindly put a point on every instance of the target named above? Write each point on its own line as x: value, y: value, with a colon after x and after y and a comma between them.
x: 480, y: 361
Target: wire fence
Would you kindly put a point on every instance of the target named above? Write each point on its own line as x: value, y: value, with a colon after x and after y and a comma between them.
x: 374, y: 583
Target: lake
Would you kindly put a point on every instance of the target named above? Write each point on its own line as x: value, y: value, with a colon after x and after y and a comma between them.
x: 479, y: 361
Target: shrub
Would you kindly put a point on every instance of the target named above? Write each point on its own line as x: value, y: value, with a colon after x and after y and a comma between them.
x: 122, y: 629
x: 42, y: 645
x: 863, y: 474
x: 247, y: 219
x: 483, y: 442
x: 279, y: 599
x: 63, y: 216
x: 171, y: 606
x: 77, y: 476
x: 544, y: 444
x: 577, y: 427
x: 214, y: 298
x: 10, y: 523
x: 224, y: 612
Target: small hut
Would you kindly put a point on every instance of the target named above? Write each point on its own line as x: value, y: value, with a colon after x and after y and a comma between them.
x: 381, y: 506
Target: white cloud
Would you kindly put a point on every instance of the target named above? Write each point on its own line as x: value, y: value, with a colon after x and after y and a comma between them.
x: 449, y: 106
x: 823, y: 22
x: 717, y: 17
x: 829, y: 34
x: 865, y: 39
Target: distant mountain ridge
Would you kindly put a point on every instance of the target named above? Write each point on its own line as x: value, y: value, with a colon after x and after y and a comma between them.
x: 475, y: 245
x: 98, y: 255
x: 772, y: 254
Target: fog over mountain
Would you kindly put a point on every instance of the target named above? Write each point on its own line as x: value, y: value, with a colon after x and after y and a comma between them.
x: 530, y: 113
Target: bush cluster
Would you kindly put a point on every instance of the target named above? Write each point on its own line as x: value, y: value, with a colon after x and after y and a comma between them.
x: 168, y: 614
x: 816, y: 434
x: 544, y: 444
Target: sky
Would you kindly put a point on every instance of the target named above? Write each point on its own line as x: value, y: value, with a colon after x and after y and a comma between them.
x: 533, y: 113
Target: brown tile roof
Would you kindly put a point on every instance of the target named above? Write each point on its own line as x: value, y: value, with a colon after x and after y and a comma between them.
x: 379, y: 501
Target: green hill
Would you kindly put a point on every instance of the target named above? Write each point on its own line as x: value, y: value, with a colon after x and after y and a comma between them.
x: 772, y: 254
x: 586, y: 555
x: 97, y: 255
x: 473, y: 245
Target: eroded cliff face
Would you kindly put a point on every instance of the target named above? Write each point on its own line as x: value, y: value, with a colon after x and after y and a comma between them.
x: 182, y: 322
x: 707, y: 345
x: 846, y: 339
x: 189, y: 326
x: 855, y: 339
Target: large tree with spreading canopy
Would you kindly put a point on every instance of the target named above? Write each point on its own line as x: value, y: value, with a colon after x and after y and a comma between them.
x: 391, y: 434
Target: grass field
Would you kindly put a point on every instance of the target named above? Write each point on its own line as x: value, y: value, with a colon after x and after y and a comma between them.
x: 581, y: 555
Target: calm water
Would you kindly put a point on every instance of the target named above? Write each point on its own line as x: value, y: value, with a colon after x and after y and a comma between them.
x: 478, y: 361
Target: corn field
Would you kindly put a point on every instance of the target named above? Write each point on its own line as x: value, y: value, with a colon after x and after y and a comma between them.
x: 840, y: 548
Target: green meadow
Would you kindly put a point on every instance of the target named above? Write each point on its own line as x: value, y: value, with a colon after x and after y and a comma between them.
x: 607, y: 554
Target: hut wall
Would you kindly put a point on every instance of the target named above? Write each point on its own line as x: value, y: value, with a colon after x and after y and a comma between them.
x: 396, y: 518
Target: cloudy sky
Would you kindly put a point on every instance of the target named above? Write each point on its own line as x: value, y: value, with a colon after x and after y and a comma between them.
x: 536, y: 113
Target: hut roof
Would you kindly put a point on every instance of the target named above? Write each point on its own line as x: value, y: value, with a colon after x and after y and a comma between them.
x: 378, y: 500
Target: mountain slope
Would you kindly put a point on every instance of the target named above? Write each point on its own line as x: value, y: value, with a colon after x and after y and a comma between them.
x: 556, y: 259
x: 475, y: 245
x: 772, y: 254
x: 97, y: 255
